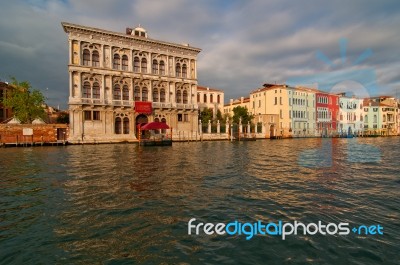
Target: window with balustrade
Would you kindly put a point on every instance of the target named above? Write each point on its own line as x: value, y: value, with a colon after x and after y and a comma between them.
x: 116, y: 61
x: 178, y: 70
x: 86, y: 57
x: 155, y: 67
x: 144, y: 94
x: 162, y: 68
x: 117, y: 92
x: 125, y: 92
x: 137, y: 93
x: 96, y: 90
x: 185, y: 97
x: 184, y: 71
x: 162, y: 95
x: 155, y: 95
x: 144, y: 66
x: 95, y: 59
x: 125, y: 62
x: 136, y: 65
x: 178, y: 96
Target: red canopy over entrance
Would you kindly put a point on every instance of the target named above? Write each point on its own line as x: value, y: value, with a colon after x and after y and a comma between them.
x: 154, y: 126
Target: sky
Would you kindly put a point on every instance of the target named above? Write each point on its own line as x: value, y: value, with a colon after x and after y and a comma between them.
x: 245, y: 43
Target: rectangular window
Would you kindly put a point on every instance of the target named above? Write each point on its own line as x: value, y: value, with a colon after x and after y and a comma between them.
x: 1, y: 94
x: 179, y: 117
x: 88, y: 115
x: 276, y: 101
x: 259, y: 103
x: 96, y: 115
x: 280, y: 100
x: 185, y: 117
x: 280, y: 114
x: 290, y: 114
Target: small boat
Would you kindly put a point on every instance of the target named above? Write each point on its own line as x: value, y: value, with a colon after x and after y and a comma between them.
x: 155, y: 141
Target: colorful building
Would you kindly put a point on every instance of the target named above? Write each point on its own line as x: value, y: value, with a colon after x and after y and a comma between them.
x: 351, y: 120
x: 327, y: 112
x: 381, y: 115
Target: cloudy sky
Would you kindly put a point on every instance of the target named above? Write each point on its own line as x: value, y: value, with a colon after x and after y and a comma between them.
x: 244, y: 43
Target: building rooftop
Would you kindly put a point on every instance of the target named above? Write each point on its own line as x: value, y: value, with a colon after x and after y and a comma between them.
x: 202, y: 88
x: 68, y: 27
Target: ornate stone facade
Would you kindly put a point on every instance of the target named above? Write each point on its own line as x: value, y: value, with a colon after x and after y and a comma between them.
x: 109, y: 72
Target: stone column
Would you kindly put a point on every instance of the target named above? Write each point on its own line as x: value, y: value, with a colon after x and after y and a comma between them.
x: 248, y: 128
x: 209, y: 126
x: 240, y: 125
x: 218, y: 127
x: 200, y: 127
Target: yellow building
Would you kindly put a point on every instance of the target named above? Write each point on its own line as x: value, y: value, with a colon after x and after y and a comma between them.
x: 210, y: 98
x: 294, y: 107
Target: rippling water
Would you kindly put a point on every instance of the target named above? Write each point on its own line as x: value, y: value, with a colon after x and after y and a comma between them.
x: 124, y: 204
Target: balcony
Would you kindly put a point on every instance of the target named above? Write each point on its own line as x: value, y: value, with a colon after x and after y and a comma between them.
x: 164, y: 105
x: 101, y: 102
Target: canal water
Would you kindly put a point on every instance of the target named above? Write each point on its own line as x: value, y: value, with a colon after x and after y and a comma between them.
x: 124, y: 204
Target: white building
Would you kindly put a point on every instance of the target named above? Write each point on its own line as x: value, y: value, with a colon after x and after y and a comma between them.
x: 351, y: 115
x: 118, y: 81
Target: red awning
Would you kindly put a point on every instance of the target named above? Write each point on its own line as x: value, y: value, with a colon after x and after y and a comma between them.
x: 154, y: 126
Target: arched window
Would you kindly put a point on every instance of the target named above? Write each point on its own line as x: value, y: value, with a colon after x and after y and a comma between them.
x: 162, y: 68
x: 118, y: 126
x: 178, y: 70
x: 178, y: 96
x: 205, y: 98
x: 144, y: 65
x: 155, y: 67
x: 96, y: 90
x: 116, y: 61
x: 155, y: 95
x: 218, y: 99
x: 86, y: 90
x: 125, y: 93
x: 185, y: 97
x: 137, y: 93
x: 136, y: 65
x: 211, y: 98
x: 86, y: 57
x: 375, y: 119
x: 144, y: 94
x: 157, y: 120
x: 95, y: 59
x: 125, y: 62
x: 117, y: 92
x: 184, y: 71
x: 366, y: 119
x: 126, y: 125
x: 162, y: 95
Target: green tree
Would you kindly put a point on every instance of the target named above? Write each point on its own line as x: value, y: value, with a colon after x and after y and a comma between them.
x: 241, y: 112
x: 26, y: 103
x: 219, y: 116
x: 206, y: 115
x: 63, y: 118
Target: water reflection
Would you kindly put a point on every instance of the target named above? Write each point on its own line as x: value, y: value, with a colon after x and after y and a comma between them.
x: 124, y: 203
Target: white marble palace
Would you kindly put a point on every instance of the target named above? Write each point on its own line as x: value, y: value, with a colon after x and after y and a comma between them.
x: 120, y: 80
